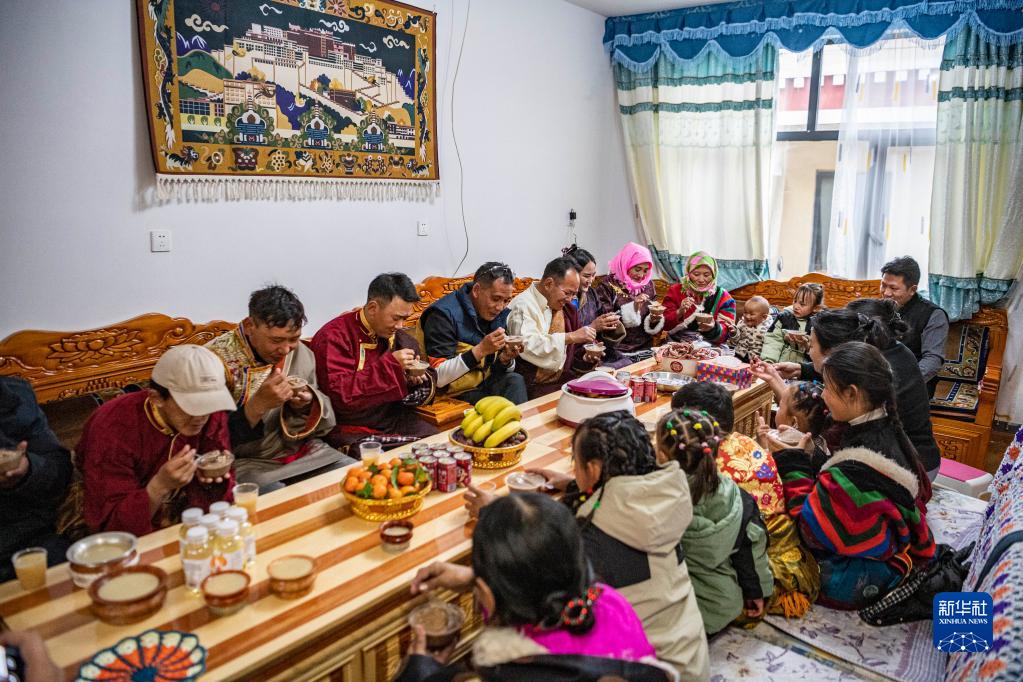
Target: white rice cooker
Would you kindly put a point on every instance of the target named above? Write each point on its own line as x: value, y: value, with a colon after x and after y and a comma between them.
x: 602, y: 394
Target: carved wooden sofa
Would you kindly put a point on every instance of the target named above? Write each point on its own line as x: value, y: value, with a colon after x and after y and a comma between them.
x: 963, y: 434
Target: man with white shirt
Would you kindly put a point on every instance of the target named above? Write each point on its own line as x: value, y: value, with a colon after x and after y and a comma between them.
x: 464, y: 337
x: 550, y: 328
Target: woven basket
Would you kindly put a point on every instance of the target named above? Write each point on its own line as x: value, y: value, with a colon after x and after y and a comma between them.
x: 387, y: 509
x: 492, y: 458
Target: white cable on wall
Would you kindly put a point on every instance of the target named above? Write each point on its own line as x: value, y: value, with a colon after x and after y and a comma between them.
x: 454, y: 136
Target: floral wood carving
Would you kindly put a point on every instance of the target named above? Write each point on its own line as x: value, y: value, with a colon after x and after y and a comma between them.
x: 66, y: 364
x: 95, y: 346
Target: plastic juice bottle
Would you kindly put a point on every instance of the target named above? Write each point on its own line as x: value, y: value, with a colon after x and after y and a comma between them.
x: 230, y: 547
x: 240, y: 516
x: 220, y: 509
x: 196, y: 557
x: 189, y: 519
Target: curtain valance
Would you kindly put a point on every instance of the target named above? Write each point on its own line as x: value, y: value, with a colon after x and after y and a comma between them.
x: 737, y: 30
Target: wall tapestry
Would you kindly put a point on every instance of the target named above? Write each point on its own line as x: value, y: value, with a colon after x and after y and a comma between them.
x: 300, y: 99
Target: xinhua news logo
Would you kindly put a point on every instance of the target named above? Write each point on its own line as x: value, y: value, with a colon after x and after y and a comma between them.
x: 963, y: 622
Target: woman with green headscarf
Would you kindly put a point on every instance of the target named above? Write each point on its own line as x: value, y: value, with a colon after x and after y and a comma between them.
x: 697, y: 305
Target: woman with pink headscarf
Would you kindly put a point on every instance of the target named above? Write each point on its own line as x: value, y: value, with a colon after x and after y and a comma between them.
x: 628, y: 291
x: 697, y: 306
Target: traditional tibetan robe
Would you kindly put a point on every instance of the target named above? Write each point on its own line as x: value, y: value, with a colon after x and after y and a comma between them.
x: 124, y: 443
x: 547, y: 361
x: 286, y: 443
x: 589, y: 309
x: 639, y: 330
x: 357, y: 370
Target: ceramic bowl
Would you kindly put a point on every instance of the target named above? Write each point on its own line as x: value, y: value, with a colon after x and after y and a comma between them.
x: 97, y: 555
x: 418, y: 368
x: 146, y: 589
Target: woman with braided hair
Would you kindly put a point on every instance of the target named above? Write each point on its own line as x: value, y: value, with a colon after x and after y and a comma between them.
x: 545, y: 616
x: 876, y: 323
x: 862, y: 511
x: 633, y: 513
x: 726, y: 543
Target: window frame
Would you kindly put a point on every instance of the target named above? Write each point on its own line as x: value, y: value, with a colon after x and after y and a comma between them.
x: 811, y: 134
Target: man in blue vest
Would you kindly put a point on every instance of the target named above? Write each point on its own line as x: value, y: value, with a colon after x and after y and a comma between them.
x: 464, y: 337
x: 928, y: 324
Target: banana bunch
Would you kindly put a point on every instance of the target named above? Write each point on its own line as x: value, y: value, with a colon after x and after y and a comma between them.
x: 493, y: 421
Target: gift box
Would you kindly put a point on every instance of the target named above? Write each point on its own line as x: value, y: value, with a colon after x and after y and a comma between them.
x: 726, y: 370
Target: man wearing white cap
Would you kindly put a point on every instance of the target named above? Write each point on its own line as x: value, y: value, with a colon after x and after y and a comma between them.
x: 137, y: 452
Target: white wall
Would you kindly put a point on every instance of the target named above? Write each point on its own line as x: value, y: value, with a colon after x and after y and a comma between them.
x: 536, y: 124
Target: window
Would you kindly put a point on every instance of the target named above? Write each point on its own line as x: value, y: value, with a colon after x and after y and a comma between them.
x: 855, y: 143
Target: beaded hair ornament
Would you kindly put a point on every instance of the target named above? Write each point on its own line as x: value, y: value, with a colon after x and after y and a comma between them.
x: 693, y: 429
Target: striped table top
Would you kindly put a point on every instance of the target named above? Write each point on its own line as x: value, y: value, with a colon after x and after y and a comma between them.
x: 312, y: 518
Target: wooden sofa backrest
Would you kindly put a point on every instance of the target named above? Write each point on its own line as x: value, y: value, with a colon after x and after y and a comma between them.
x: 62, y: 365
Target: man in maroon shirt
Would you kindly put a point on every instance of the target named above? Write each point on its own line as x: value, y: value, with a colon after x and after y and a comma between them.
x: 362, y: 362
x: 137, y: 452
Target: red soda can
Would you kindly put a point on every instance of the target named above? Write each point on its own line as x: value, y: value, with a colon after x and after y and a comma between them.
x: 464, y: 462
x: 420, y: 449
x: 429, y: 462
x: 638, y: 389
x: 651, y: 390
x: 447, y: 475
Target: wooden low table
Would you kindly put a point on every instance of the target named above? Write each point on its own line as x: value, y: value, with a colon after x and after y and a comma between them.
x: 352, y: 626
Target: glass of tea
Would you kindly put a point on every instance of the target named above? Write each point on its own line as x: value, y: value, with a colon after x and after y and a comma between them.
x: 30, y: 567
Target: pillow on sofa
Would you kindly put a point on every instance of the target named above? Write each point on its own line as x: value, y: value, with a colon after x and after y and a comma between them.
x: 956, y: 396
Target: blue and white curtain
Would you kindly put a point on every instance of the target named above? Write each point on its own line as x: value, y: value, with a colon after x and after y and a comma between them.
x: 691, y: 129
x: 977, y: 203
x: 695, y: 91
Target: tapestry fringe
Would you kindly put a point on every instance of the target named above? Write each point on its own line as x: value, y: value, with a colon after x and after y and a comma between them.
x: 235, y: 188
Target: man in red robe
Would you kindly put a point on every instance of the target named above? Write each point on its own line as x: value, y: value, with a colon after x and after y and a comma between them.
x: 363, y: 359
x: 137, y: 452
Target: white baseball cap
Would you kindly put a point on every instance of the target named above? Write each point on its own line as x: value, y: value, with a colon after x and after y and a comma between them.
x: 195, y: 378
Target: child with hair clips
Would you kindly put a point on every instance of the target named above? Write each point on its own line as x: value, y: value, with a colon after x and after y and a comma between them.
x: 789, y: 337
x: 544, y: 615
x: 726, y: 542
x: 863, y: 510
x: 796, y: 575
x: 802, y: 419
x: 633, y: 513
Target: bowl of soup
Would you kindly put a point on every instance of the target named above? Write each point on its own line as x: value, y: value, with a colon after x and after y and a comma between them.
x: 395, y: 536
x: 215, y: 464
x: 292, y: 576
x: 226, y: 592
x: 128, y: 595
x: 441, y: 621
x: 418, y: 368
x: 525, y: 482
x: 97, y: 555
x: 297, y: 383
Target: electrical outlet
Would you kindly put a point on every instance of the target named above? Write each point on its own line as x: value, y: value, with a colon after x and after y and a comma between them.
x: 159, y: 241
x: 422, y: 228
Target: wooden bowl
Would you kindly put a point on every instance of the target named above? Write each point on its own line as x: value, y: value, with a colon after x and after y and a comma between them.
x: 218, y: 470
x: 387, y: 509
x: 287, y: 581
x: 140, y: 606
x: 492, y: 458
x: 441, y: 620
x: 223, y: 602
x: 391, y: 539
